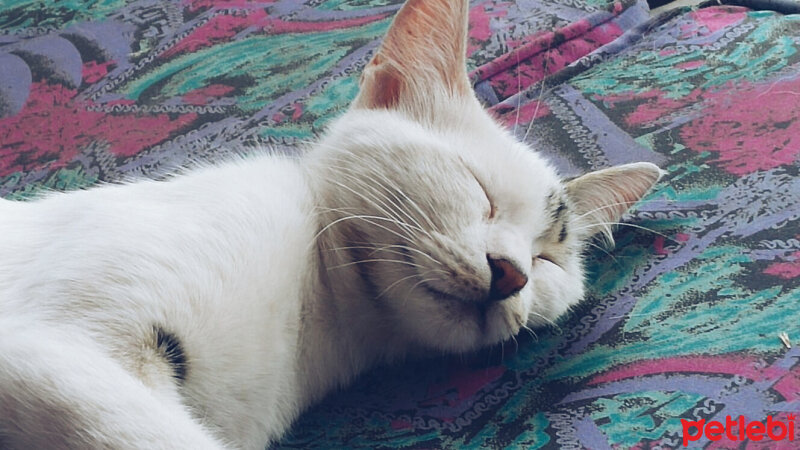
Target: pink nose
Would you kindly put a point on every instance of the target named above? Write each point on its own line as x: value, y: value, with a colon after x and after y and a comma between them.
x: 507, y: 279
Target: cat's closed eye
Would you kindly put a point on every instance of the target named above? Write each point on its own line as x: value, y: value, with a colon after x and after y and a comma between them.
x: 491, y: 211
x: 492, y: 208
x: 543, y: 258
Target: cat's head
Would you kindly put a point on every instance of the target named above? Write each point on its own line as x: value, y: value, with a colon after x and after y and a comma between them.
x: 460, y: 232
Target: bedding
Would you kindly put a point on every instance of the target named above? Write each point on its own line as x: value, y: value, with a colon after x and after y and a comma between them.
x: 684, y: 315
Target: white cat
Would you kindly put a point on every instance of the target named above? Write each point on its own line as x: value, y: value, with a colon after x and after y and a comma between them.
x: 209, y: 310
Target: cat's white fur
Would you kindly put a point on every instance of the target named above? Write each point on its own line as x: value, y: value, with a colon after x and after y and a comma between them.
x: 283, y: 278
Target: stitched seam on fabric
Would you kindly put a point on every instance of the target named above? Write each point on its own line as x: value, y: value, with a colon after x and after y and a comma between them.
x: 539, y: 45
x: 597, y: 56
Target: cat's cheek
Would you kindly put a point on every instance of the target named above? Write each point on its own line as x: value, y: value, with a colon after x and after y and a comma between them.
x: 554, y: 292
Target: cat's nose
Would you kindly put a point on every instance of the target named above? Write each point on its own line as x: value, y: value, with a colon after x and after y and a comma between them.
x: 507, y: 279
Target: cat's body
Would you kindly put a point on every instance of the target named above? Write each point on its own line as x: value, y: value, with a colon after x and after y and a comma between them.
x: 217, y: 258
x: 209, y: 310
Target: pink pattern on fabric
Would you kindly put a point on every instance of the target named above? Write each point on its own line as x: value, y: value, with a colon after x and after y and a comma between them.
x: 689, y: 65
x: 93, y: 72
x: 462, y: 385
x: 225, y: 27
x: 196, y: 5
x: 658, y: 246
x: 203, y: 95
x: 537, y: 66
x: 789, y: 386
x: 480, y: 17
x: 746, y: 367
x: 653, y: 105
x: 786, y: 270
x: 399, y: 424
x: 296, y: 109
x: 751, y: 127
x: 715, y: 19
x: 524, y: 115
x: 53, y: 126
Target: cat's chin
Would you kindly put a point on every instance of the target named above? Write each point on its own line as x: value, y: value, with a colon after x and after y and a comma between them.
x: 443, y: 322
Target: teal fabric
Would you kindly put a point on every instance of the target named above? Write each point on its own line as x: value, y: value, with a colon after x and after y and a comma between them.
x: 683, y: 316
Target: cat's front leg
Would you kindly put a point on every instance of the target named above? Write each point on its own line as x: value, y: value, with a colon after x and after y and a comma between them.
x: 59, y: 391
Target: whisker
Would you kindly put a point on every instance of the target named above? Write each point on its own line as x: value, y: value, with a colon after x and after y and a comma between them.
x: 396, y: 283
x: 396, y: 189
x: 629, y: 225
x: 612, y: 205
x: 374, y: 249
x: 541, y: 90
x: 412, y: 249
x: 361, y: 195
x: 616, y: 261
x: 516, y: 344
x: 531, y: 332
x: 401, y: 192
x: 406, y: 278
x: 364, y: 218
x: 402, y: 224
x: 601, y: 208
x: 390, y: 187
x: 550, y: 321
x: 387, y: 247
x: 363, y: 261
x: 405, y: 300
x: 519, y: 97
x: 391, y: 211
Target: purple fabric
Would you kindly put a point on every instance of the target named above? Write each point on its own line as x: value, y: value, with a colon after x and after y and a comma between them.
x: 684, y: 314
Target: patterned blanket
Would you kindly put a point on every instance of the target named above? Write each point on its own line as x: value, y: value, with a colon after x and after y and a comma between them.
x: 684, y: 314
x: 103, y: 90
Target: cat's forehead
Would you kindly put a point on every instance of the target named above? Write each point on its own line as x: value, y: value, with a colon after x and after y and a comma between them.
x: 509, y: 168
x: 512, y: 167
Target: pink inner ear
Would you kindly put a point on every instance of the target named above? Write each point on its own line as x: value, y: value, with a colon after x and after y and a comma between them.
x: 424, y: 52
x: 390, y: 87
x: 382, y: 87
x: 616, y: 197
x: 630, y: 197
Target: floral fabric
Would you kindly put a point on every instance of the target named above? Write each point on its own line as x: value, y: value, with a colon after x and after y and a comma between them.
x: 103, y: 90
x: 683, y: 316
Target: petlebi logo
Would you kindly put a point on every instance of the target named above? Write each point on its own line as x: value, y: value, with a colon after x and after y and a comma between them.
x: 739, y: 429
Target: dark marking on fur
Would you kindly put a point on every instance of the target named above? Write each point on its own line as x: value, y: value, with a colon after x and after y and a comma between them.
x: 557, y: 208
x: 364, y: 271
x: 556, y: 205
x: 170, y: 347
x: 562, y: 235
x: 559, y: 212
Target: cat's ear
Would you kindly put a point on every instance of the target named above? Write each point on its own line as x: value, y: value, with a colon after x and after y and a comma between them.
x: 600, y: 198
x: 422, y: 56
